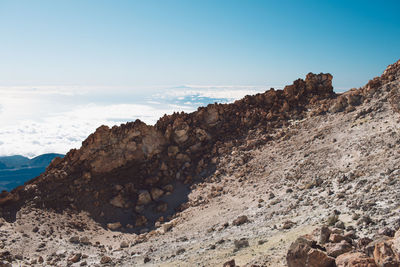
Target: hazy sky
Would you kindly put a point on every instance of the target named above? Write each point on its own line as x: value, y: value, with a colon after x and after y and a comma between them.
x: 152, y: 43
x: 66, y: 67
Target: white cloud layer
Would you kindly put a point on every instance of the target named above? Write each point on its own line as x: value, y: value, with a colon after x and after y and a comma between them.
x: 45, y: 120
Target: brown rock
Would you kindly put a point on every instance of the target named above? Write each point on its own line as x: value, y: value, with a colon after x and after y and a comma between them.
x: 370, y: 248
x: 355, y: 259
x: 287, y: 225
x: 240, y: 220
x: 169, y: 188
x: 166, y: 227
x: 336, y: 238
x: 118, y: 201
x: 180, y: 133
x: 140, y: 221
x: 84, y: 240
x: 384, y: 255
x: 319, y: 258
x: 172, y: 151
x: 124, y: 244
x: 74, y: 239
x: 114, y: 226
x: 396, y: 244
x: 337, y: 249
x: 325, y: 232
x: 75, y: 258
x: 139, y: 209
x: 230, y: 263
x: 211, y: 116
x: 156, y: 193
x: 363, y: 242
x: 201, y: 134
x: 144, y: 198
x: 386, y: 231
x: 241, y: 243
x: 105, y: 259
x: 303, y: 252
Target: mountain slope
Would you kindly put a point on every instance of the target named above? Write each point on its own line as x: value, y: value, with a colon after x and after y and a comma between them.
x: 126, y: 168
x: 16, y: 161
x: 252, y: 176
x: 44, y: 159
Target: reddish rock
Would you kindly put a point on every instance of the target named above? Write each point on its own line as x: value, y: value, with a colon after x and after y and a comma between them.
x: 336, y: 249
x: 240, y: 220
x: 230, y: 263
x: 355, y: 259
x: 319, y: 258
x: 304, y: 252
x: 336, y: 238
x: 105, y: 259
x: 384, y: 255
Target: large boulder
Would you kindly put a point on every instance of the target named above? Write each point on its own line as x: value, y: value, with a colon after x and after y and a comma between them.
x: 384, y: 255
x: 355, y: 259
x: 336, y: 249
x: 304, y: 252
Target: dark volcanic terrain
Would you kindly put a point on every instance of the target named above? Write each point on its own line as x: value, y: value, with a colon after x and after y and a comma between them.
x: 236, y: 182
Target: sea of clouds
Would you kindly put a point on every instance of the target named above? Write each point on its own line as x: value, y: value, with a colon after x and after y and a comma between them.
x: 42, y: 120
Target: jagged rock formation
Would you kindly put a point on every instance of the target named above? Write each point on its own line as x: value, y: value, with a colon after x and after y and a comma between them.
x: 337, y: 247
x: 121, y: 172
x: 252, y: 176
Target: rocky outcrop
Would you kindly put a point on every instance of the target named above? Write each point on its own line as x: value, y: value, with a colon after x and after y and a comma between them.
x: 130, y: 174
x: 343, y: 250
x: 256, y: 177
x: 118, y: 174
x: 387, y: 82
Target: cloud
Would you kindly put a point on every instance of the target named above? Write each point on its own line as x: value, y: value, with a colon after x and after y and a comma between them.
x: 67, y: 130
x: 37, y: 121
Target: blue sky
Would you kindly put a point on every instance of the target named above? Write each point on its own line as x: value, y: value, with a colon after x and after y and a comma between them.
x: 67, y: 67
x: 141, y: 44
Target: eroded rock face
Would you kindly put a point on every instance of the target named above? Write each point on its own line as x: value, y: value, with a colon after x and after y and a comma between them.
x: 108, y: 149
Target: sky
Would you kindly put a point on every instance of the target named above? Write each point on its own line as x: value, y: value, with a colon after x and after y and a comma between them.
x: 67, y: 67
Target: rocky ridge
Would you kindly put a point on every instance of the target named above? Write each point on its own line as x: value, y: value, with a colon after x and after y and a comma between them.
x: 119, y: 172
x: 329, y: 160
